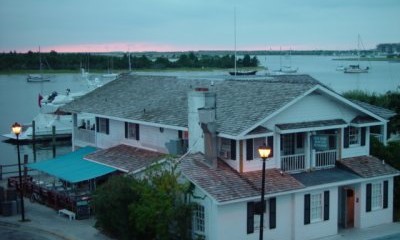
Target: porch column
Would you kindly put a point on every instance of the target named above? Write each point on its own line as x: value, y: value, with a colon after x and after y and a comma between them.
x: 384, y: 134
x: 277, y: 150
x: 308, y: 150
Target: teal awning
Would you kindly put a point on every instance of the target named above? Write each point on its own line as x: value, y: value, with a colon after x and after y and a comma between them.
x: 72, y: 167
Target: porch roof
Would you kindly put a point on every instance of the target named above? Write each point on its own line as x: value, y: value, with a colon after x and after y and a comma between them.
x: 319, y: 177
x: 364, y: 120
x: 125, y: 158
x: 225, y: 184
x: 381, y: 112
x: 312, y: 125
x: 72, y: 167
x: 368, y: 166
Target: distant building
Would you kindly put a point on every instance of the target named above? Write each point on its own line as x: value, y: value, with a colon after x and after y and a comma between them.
x: 388, y: 48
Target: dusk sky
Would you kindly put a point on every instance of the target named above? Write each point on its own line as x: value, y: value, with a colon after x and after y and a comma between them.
x: 182, y: 25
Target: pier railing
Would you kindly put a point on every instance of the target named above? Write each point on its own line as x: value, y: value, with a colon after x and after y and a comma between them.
x: 85, y: 135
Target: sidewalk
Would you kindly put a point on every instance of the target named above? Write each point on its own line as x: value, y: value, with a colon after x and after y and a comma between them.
x: 46, y: 220
x: 383, y: 231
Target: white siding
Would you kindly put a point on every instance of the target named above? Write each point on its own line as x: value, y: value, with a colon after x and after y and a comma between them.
x: 150, y: 137
x: 375, y: 217
x: 313, y: 107
x: 317, y: 229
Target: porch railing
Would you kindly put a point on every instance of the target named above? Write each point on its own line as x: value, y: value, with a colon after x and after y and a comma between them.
x: 292, y: 163
x: 84, y: 135
x: 325, y: 159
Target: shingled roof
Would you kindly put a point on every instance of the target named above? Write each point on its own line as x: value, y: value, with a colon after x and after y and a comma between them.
x: 368, y: 166
x: 163, y: 100
x: 126, y: 158
x: 225, y: 184
x: 381, y: 112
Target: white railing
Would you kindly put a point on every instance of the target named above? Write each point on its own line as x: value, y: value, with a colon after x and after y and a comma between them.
x: 84, y: 135
x: 291, y: 163
x: 325, y: 159
x: 378, y: 136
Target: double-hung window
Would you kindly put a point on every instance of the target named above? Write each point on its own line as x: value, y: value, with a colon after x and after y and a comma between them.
x: 376, y: 196
x: 354, y: 135
x: 131, y: 131
x: 198, y: 220
x: 316, y: 207
x: 103, y: 125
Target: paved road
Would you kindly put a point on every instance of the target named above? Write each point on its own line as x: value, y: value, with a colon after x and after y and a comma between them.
x: 16, y: 232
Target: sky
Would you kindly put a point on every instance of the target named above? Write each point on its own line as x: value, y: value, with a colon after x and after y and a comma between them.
x: 191, y: 25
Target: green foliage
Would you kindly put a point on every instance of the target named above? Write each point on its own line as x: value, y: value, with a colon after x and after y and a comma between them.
x: 111, y: 202
x: 74, y: 61
x: 153, y: 207
x: 391, y: 155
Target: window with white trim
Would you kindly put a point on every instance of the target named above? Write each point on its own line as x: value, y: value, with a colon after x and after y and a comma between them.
x: 316, y: 207
x: 198, y: 219
x: 131, y: 131
x: 354, y: 135
x: 376, y: 196
x: 103, y: 125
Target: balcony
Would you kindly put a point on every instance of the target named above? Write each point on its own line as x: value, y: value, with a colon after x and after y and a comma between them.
x: 293, y: 163
x: 85, y: 136
x: 325, y: 159
x: 297, y: 162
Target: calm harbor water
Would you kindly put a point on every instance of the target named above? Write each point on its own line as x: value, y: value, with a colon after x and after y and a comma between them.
x: 18, y: 99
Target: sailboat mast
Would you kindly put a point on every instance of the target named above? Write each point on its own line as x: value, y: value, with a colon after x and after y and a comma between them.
x: 129, y: 59
x: 234, y: 33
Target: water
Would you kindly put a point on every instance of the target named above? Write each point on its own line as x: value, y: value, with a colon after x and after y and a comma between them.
x: 18, y: 99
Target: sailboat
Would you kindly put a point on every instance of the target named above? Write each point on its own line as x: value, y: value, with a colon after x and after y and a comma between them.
x: 38, y: 77
x: 110, y: 74
x: 355, y: 68
x: 287, y: 69
x: 236, y: 72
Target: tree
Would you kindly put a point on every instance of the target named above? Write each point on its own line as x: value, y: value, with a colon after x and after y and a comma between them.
x: 152, y: 207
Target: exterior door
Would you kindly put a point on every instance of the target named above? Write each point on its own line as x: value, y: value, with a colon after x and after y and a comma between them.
x: 349, y: 212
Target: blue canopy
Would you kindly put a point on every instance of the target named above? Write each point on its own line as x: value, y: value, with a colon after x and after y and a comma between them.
x: 72, y: 167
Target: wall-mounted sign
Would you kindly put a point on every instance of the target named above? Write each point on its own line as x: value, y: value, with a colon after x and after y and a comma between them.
x: 320, y: 142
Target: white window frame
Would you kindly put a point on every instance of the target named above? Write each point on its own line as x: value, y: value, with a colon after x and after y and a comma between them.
x: 103, y: 125
x: 257, y: 142
x: 199, y: 220
x: 377, y: 196
x: 316, y: 207
x: 354, y: 136
x: 131, y: 131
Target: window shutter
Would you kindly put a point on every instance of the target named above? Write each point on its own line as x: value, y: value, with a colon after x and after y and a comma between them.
x: 326, y: 205
x: 137, y: 132
x: 307, y: 209
x: 368, y: 196
x: 272, y: 213
x: 363, y: 132
x: 126, y: 129
x: 270, y: 142
x: 233, y: 149
x: 346, y: 137
x: 97, y: 124
x: 250, y: 217
x: 107, y: 126
x: 249, y: 149
x: 385, y: 193
x: 180, y: 134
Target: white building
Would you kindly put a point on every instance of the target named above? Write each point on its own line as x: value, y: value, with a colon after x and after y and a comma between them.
x: 320, y: 176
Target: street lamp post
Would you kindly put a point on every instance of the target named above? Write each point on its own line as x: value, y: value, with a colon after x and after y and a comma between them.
x: 264, y: 152
x: 16, y: 128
